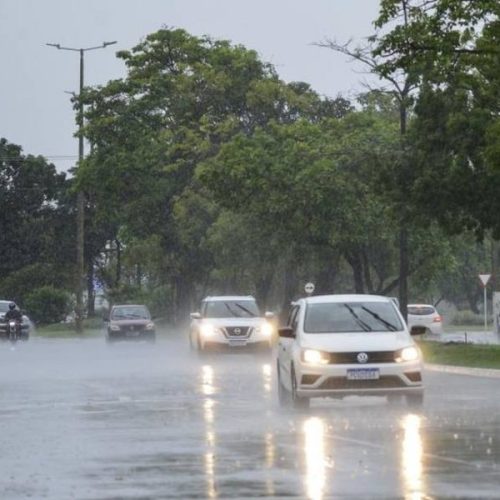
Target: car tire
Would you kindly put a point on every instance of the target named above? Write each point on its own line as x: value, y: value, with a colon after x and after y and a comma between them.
x: 299, y: 403
x: 415, y: 400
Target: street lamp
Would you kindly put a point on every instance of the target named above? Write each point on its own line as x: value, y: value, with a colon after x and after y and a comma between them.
x: 80, y: 201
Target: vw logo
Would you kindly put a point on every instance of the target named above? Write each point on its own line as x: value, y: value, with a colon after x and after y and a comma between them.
x: 237, y: 331
x: 362, y: 357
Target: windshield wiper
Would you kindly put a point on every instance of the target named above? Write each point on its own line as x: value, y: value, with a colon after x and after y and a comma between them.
x: 231, y: 311
x: 250, y: 313
x: 359, y: 321
x: 390, y: 326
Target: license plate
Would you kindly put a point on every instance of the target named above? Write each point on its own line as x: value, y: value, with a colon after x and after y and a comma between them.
x: 235, y: 343
x: 363, y: 374
x: 133, y: 333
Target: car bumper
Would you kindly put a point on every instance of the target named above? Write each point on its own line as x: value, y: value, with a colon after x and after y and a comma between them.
x: 131, y: 335
x: 219, y: 340
x: 332, y: 380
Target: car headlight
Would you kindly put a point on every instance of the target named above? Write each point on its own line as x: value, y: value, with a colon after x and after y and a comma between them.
x: 313, y: 357
x: 407, y: 354
x: 150, y: 326
x: 265, y: 329
x: 207, y: 330
x: 115, y: 328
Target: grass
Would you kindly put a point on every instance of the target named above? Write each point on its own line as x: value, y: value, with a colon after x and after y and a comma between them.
x: 471, y: 355
x: 92, y: 327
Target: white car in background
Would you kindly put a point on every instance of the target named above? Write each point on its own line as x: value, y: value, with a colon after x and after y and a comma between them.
x: 341, y: 345
x: 231, y: 321
x: 426, y: 318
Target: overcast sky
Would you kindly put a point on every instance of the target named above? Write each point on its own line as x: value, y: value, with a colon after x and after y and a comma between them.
x: 36, y: 113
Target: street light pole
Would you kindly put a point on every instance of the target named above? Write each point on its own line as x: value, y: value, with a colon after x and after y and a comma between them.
x: 80, y: 201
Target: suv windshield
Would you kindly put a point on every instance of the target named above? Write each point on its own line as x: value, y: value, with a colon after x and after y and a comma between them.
x: 342, y: 317
x: 4, y: 307
x: 130, y: 312
x: 231, y: 308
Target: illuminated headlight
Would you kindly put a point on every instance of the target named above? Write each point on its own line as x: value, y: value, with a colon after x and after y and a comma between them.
x: 150, y: 326
x: 207, y: 330
x: 265, y: 329
x: 115, y: 328
x: 313, y: 357
x: 407, y: 354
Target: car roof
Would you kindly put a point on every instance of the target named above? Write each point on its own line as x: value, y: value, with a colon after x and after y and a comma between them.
x: 228, y: 297
x: 325, y: 299
x: 129, y: 305
x: 421, y: 305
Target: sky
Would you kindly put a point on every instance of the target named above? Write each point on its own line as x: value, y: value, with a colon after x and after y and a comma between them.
x: 35, y: 108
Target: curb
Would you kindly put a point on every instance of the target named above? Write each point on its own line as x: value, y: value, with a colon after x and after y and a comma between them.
x: 463, y: 370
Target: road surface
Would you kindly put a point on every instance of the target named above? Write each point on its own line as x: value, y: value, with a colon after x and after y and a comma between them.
x: 81, y: 419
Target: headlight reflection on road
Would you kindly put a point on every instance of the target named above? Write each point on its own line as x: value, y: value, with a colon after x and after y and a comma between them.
x: 208, y: 389
x: 314, y: 431
x: 412, y: 457
x: 270, y: 458
x: 266, y: 374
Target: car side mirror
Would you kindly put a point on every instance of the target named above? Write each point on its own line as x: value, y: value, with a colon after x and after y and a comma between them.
x: 417, y: 330
x: 286, y: 332
x: 195, y: 315
x: 269, y: 315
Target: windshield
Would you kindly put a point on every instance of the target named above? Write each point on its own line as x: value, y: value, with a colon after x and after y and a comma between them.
x: 231, y: 308
x: 342, y: 317
x: 4, y: 307
x: 421, y: 310
x: 130, y: 312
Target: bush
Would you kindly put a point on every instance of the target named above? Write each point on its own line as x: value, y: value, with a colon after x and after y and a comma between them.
x: 467, y: 318
x: 47, y: 305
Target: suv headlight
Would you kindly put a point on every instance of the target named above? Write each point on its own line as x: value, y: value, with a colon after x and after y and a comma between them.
x: 265, y: 329
x: 407, y: 354
x: 115, y: 328
x: 314, y: 357
x: 150, y: 326
x: 207, y: 330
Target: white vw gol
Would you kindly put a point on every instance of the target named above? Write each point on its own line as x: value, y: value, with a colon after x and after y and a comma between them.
x: 341, y: 345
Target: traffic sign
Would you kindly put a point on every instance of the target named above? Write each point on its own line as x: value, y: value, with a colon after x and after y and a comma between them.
x: 309, y: 288
x: 484, y: 278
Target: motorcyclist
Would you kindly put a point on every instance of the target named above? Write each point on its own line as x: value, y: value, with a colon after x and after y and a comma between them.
x: 13, y: 314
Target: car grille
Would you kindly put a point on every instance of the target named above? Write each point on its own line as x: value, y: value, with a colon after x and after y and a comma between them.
x: 348, y: 358
x: 132, y: 328
x: 384, y: 382
x: 237, y: 331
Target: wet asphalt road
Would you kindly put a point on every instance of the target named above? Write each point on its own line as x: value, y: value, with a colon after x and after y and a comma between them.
x: 81, y: 419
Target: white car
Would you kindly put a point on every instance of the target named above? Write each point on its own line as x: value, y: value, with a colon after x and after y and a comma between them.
x: 341, y: 345
x: 425, y: 317
x: 230, y: 322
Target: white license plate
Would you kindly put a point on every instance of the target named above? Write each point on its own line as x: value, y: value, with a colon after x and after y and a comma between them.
x: 235, y: 343
x: 363, y: 374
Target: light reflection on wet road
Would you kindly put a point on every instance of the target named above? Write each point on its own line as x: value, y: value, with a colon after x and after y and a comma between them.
x: 84, y: 420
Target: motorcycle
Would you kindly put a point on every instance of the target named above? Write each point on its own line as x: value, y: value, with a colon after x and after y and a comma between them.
x: 13, y: 330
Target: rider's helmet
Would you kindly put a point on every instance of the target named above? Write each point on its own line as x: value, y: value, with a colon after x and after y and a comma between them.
x: 12, y: 306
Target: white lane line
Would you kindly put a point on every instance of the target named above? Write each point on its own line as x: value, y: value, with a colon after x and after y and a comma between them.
x: 368, y: 444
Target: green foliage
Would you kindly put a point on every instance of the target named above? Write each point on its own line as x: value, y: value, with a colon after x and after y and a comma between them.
x: 47, y: 305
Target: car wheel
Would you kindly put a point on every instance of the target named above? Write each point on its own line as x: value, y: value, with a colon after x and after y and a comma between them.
x: 283, y: 394
x: 415, y: 400
x: 298, y: 402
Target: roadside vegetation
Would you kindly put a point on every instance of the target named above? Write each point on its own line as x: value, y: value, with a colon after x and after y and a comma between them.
x: 458, y: 354
x: 207, y: 173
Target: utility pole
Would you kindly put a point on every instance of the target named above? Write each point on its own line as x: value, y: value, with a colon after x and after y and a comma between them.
x: 80, y: 201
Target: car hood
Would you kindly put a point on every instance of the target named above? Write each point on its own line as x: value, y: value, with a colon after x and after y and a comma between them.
x: 352, y: 342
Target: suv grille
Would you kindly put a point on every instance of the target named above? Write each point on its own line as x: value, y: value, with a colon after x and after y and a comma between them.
x: 237, y: 331
x: 347, y: 358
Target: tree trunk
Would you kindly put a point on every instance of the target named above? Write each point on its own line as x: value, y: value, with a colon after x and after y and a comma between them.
x: 118, y: 271
x: 90, y: 290
x: 403, y: 271
x: 262, y: 288
x: 353, y: 258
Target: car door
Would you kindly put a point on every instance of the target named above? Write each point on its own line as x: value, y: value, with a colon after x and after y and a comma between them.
x: 285, y: 345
